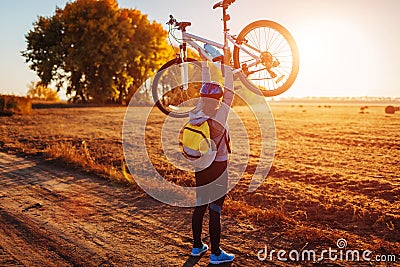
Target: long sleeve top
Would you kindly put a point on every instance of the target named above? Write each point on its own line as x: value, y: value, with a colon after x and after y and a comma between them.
x: 218, y: 123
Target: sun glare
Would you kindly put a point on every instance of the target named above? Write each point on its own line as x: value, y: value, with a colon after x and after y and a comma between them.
x: 335, y: 58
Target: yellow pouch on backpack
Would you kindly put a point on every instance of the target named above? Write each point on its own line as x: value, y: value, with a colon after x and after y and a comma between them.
x: 196, y: 139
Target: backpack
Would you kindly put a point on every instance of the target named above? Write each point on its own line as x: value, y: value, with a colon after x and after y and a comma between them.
x: 196, y: 143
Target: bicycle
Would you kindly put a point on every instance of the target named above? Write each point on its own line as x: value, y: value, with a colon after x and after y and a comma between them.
x: 265, y: 59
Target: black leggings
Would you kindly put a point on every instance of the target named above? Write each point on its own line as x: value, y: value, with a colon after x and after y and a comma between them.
x: 206, y: 176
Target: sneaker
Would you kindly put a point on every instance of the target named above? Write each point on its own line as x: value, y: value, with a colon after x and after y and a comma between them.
x: 198, y: 251
x: 221, y: 258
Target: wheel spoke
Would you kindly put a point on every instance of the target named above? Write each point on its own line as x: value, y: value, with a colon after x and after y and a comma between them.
x: 173, y: 99
x: 278, y: 52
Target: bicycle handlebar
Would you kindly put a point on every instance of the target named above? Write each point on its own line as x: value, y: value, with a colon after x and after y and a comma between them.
x: 224, y: 4
x: 228, y: 2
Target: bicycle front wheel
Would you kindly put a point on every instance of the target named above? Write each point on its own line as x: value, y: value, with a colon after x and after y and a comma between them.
x: 268, y: 56
x: 176, y: 87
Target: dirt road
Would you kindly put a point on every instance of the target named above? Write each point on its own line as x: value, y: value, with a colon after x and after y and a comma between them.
x: 52, y: 216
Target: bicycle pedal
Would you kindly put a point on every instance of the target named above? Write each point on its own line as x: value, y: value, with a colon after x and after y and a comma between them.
x: 219, y: 58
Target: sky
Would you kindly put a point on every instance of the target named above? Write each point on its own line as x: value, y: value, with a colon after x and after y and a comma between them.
x: 347, y: 47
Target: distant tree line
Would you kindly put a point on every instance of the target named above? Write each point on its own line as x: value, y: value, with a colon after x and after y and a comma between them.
x: 99, y: 52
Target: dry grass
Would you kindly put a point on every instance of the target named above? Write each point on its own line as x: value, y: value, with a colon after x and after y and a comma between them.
x: 80, y: 156
x: 10, y: 105
x: 335, y: 174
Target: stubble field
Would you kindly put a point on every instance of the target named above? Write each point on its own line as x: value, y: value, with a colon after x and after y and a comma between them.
x: 335, y: 174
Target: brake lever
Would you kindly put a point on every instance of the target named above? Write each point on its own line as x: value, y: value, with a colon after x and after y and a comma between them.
x: 172, y: 20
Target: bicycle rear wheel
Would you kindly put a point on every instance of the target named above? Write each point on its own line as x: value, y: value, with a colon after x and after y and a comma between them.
x: 278, y: 54
x: 168, y: 91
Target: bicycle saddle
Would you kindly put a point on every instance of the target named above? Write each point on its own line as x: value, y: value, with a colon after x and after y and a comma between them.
x: 224, y: 3
x: 182, y: 25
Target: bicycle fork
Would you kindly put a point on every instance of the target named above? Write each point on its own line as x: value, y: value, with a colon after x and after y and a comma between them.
x: 184, y: 76
x: 184, y: 68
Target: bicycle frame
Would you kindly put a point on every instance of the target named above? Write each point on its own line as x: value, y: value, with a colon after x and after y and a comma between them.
x: 191, y: 39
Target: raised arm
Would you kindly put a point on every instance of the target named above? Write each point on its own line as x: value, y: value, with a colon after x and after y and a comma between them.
x: 222, y: 114
x: 205, y: 72
x: 223, y: 111
x: 228, y: 87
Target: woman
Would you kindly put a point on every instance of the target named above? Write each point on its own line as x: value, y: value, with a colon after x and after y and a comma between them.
x: 214, y: 106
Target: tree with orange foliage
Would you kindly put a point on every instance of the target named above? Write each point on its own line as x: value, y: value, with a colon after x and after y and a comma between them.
x: 99, y: 52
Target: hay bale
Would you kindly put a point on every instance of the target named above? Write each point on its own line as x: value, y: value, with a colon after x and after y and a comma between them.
x: 391, y: 109
x: 10, y: 105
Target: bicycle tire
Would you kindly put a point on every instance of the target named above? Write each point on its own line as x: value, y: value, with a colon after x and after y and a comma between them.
x: 261, y: 81
x: 191, y: 93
